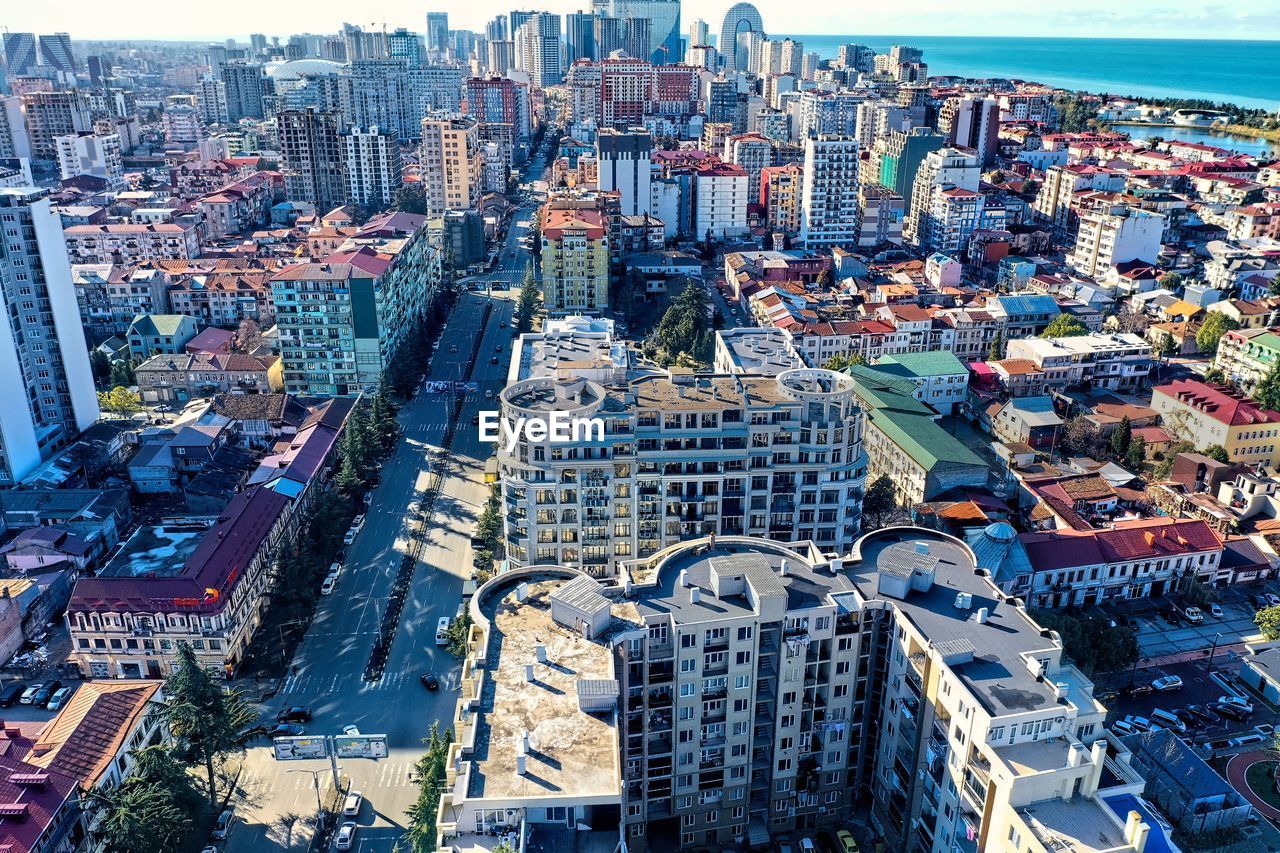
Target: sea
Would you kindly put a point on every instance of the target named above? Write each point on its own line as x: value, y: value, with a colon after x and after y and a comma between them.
x: 1239, y: 72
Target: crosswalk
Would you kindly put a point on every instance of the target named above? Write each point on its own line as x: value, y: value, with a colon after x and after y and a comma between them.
x: 305, y: 686
x: 385, y: 773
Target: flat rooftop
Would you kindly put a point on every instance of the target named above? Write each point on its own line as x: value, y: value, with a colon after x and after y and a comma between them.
x: 154, y: 551
x: 571, y: 753
x: 1078, y: 824
x: 997, y: 674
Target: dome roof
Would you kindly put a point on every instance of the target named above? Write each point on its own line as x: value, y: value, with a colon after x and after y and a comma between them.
x: 295, y: 68
x: 1001, y: 531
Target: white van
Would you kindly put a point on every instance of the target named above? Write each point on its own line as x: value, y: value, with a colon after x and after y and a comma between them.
x: 442, y: 631
x: 1120, y: 727
x: 1168, y: 720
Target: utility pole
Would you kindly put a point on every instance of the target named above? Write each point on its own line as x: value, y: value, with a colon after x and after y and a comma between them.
x: 315, y: 783
x: 1213, y: 651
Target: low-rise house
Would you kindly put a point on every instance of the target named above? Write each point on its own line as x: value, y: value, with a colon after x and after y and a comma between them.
x: 182, y: 377
x: 42, y: 812
x: 941, y: 380
x: 211, y: 340
x: 131, y: 244
x: 260, y: 419
x: 150, y: 334
x: 1183, y: 786
x: 98, y: 516
x: 1029, y: 420
x: 168, y: 459
x: 224, y: 298
x: 41, y: 549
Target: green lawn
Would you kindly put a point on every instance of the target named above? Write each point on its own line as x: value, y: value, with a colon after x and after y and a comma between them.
x: 1261, y: 778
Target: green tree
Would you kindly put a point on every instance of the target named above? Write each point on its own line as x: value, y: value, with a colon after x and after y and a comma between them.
x: 136, y: 815
x: 119, y: 400
x: 879, y: 500
x: 1164, y: 467
x: 1214, y: 376
x: 529, y: 301
x: 1218, y: 452
x: 1092, y: 643
x: 430, y: 772
x: 1267, y: 392
x: 207, y: 721
x: 996, y: 352
x: 1168, y: 346
x: 1064, y: 326
x: 1135, y: 456
x: 1268, y: 622
x: 1214, y: 327
x: 384, y: 428
x: 100, y: 365
x: 684, y: 334
x: 843, y: 361
x: 458, y: 633
x: 122, y: 374
x: 410, y: 198
x: 1120, y: 438
x: 1171, y: 281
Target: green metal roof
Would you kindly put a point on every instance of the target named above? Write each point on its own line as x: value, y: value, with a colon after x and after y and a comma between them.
x: 908, y: 422
x: 921, y: 364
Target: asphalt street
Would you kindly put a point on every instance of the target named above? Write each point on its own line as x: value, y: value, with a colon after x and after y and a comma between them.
x: 333, y: 654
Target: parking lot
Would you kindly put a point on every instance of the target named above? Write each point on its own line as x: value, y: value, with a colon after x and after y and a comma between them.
x: 1157, y: 638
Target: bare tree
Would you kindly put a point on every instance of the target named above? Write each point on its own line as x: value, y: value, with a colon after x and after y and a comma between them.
x: 249, y: 336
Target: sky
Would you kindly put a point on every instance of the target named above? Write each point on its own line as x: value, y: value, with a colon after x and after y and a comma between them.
x: 103, y: 19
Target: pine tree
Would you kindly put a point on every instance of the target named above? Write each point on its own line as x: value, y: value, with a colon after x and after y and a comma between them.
x: 997, y: 347
x: 1136, y: 455
x: 100, y: 365
x: 1120, y: 438
x: 880, y: 499
x: 121, y: 374
x: 527, y: 305
x: 1267, y: 392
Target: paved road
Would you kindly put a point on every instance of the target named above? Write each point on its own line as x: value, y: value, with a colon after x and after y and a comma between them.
x: 332, y: 656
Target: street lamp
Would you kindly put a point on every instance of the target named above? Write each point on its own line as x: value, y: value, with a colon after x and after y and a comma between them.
x: 1213, y: 650
x: 315, y: 783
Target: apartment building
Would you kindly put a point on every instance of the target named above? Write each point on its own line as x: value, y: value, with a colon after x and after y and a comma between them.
x: 1247, y: 356
x: 781, y: 188
x: 44, y: 362
x: 829, y: 198
x: 341, y: 320
x: 1143, y: 558
x: 95, y: 155
x: 880, y: 215
x: 752, y: 687
x: 941, y: 169
x: 954, y: 214
x: 240, y: 206
x: 681, y: 456
x: 202, y: 585
x: 449, y: 160
x: 622, y: 164
x: 1119, y: 362
x: 1115, y: 235
x: 180, y: 377
x: 752, y: 152
x: 1055, y: 202
x: 48, y: 115
x: 311, y: 157
x: 1209, y: 415
x: 131, y: 244
x: 371, y: 159
x: 720, y: 198
x: 940, y: 378
x: 574, y: 260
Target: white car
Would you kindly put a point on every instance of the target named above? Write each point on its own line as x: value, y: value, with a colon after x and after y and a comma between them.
x: 1215, y: 611
x: 346, y: 836
x: 1272, y: 599
x: 1193, y: 614
x: 442, y: 631
x: 1167, y: 683
x: 329, y: 585
x: 350, y: 536
x: 1240, y: 702
x: 351, y: 805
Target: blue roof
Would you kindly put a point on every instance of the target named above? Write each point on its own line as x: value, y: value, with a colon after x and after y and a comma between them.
x: 999, y: 551
x: 1157, y: 840
x: 1031, y: 303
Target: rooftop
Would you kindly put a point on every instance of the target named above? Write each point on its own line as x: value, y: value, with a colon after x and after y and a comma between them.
x: 1079, y: 824
x: 154, y: 551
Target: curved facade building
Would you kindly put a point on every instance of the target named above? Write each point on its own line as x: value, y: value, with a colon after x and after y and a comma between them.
x: 664, y: 24
x: 741, y: 18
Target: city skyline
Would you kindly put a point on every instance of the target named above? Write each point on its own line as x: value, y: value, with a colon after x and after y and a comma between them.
x: 1238, y: 20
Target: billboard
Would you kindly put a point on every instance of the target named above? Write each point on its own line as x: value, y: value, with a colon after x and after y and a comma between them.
x: 293, y: 748
x: 360, y: 746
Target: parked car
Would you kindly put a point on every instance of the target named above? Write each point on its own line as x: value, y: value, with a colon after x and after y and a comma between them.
x: 29, y: 695
x: 346, y: 837
x: 1231, y: 712
x: 351, y: 805
x: 1171, y: 615
x: 11, y: 694
x: 60, y: 697
x: 442, y: 631
x: 429, y: 681
x: 287, y: 730
x: 1272, y: 599
x: 329, y: 585
x: 1241, y: 702
x: 1193, y: 614
x: 1187, y: 716
x: 1168, y: 720
x: 350, y: 537
x: 1260, y: 601
x: 1167, y: 683
x: 493, y: 360
x: 223, y: 824
x: 1139, y: 689
x: 847, y: 842
x: 296, y: 714
x: 1202, y: 714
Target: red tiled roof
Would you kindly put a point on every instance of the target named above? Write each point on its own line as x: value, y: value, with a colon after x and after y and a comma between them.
x: 1218, y: 402
x: 1156, y: 538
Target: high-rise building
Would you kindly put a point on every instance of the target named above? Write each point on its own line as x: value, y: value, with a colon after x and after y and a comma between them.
x: 501, y: 107
x: 211, y: 98
x: 753, y: 153
x: 20, y: 54
x: 781, y: 188
x: 53, y: 114
x: 538, y: 49
x: 500, y: 55
x: 623, y: 164
x: 943, y: 169
x: 880, y: 215
x: 15, y: 144
x: 371, y: 160
x: 311, y: 157
x: 438, y: 33
x: 181, y: 120
x: 44, y: 361
x: 741, y: 26
x: 580, y: 36
x: 450, y: 164
x: 246, y: 86
x: 829, y: 199
x: 663, y: 47
x: 972, y: 122
x: 1114, y: 235
x: 630, y: 36
x: 258, y: 45
x: 94, y: 155
x: 574, y: 260
x: 901, y: 155
x: 699, y: 36
x: 406, y: 45
x: 55, y: 52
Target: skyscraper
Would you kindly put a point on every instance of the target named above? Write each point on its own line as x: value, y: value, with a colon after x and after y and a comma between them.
x: 20, y: 54
x: 580, y: 36
x: 245, y: 86
x: 437, y: 33
x: 311, y: 157
x: 406, y: 45
x: 829, y: 200
x: 664, y: 25
x: 741, y: 22
x: 44, y: 362
x: 622, y: 159
x: 538, y: 48
x: 55, y: 51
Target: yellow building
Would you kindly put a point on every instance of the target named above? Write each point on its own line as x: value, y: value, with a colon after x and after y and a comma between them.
x: 450, y: 162
x: 575, y: 261
x: 1208, y: 415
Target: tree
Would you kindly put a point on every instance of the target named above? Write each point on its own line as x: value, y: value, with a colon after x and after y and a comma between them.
x: 1268, y: 622
x: 1218, y: 452
x: 119, y: 400
x: 1267, y: 392
x: 1171, y: 281
x: 122, y: 374
x: 1092, y: 643
x: 410, y: 198
x: 430, y: 772
x: 1064, y: 326
x: 529, y: 302
x: 1164, y: 467
x: 100, y: 365
x: 880, y: 499
x: 1120, y: 438
x: 1214, y: 327
x: 249, y: 336
x: 684, y: 334
x: 843, y: 361
x: 137, y: 814
x: 1079, y: 437
x: 382, y: 420
x: 208, y: 722
x: 1135, y: 456
x: 1214, y: 376
x: 996, y: 352
x: 1168, y: 346
x: 458, y: 634
x: 355, y: 454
